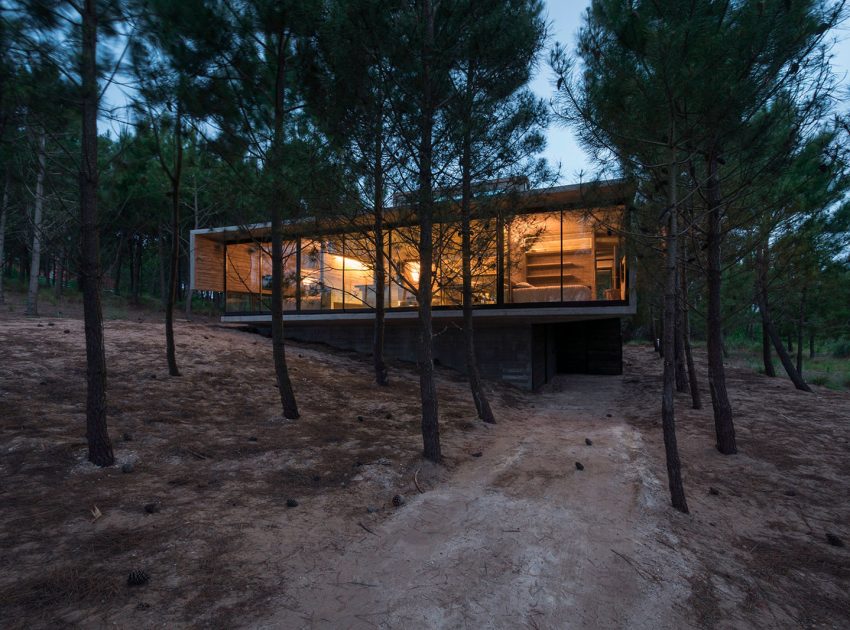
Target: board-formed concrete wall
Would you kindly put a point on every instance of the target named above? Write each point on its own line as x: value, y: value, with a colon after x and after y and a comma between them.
x: 504, y: 351
x: 519, y: 353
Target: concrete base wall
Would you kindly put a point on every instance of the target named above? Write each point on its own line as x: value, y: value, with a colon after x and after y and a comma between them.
x: 523, y: 354
x: 504, y: 352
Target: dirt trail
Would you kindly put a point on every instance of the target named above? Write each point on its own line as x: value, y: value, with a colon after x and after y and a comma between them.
x: 516, y: 538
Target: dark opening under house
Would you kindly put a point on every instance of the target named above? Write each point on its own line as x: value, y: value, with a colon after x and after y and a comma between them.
x: 551, y: 281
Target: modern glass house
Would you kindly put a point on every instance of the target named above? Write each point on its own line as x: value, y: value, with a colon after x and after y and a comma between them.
x: 551, y: 280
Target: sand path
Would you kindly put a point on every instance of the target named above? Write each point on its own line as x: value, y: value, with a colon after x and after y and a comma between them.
x: 515, y: 538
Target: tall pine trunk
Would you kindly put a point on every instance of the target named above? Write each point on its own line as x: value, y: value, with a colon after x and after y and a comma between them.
x: 3, y: 214
x: 763, y: 259
x: 97, y: 435
x: 189, y: 280
x: 427, y: 386
x: 681, y: 362
x: 173, y: 279
x: 284, y: 384
x: 381, y: 377
x: 762, y: 295
x: 116, y: 268
x: 38, y: 209
x: 693, y: 380
x: 724, y: 427
x: 479, y: 396
x: 59, y: 276
x: 800, y: 324
x: 668, y: 413
x: 136, y: 270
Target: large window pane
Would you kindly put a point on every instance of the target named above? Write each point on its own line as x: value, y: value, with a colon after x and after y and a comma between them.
x: 609, y: 256
x: 321, y: 274
x: 578, y: 271
x: 448, y: 270
x: 359, y: 268
x: 361, y: 253
x: 249, y: 277
x: 549, y: 258
x: 483, y: 261
x: 242, y: 277
x: 289, y: 275
x: 449, y: 263
x: 404, y: 266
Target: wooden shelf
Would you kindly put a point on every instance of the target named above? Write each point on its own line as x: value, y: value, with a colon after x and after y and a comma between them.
x: 552, y: 265
x: 544, y: 281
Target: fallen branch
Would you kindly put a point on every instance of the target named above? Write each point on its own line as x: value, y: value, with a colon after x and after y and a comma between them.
x: 195, y: 453
x: 356, y: 583
x: 366, y: 528
x: 416, y: 481
x: 641, y: 572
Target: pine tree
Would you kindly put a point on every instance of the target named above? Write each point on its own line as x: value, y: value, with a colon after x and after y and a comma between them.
x: 347, y: 97
x: 163, y: 68
x: 626, y: 106
x: 728, y: 63
x: 84, y: 25
x: 498, y: 127
x: 252, y: 51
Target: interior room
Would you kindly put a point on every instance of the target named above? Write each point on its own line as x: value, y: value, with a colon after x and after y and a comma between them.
x: 548, y: 257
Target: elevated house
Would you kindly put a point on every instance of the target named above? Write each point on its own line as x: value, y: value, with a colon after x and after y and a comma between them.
x: 551, y: 280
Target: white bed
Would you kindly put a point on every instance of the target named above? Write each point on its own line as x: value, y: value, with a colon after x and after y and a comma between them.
x: 572, y: 293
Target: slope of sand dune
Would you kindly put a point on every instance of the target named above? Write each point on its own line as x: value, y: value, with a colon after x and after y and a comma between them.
x: 507, y: 533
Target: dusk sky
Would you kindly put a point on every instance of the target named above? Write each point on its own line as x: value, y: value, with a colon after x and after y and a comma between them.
x: 564, y: 18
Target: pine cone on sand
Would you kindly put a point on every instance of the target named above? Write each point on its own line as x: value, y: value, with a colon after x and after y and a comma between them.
x: 137, y: 578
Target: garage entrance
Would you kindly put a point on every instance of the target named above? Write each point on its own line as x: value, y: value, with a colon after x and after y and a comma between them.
x: 586, y: 347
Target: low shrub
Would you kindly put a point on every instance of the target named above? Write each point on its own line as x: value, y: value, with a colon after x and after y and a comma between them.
x: 841, y: 349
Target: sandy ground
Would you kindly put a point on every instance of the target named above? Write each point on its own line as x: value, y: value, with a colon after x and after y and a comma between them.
x: 517, y: 538
x: 507, y: 534
x: 757, y: 548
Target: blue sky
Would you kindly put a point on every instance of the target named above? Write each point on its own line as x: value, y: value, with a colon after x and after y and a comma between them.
x: 564, y: 18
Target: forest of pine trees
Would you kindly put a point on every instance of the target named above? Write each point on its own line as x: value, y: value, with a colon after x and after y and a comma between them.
x: 126, y: 123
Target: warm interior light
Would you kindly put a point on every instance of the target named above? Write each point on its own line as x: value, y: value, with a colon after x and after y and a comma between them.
x: 350, y: 264
x: 413, y: 271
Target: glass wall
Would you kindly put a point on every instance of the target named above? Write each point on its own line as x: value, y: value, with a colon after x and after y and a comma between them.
x: 290, y: 283
x: 404, y: 266
x: 484, y: 261
x: 448, y: 288
x: 562, y: 257
x: 248, y: 276
x: 547, y: 257
x: 358, y: 266
x: 338, y: 272
x: 322, y: 274
x: 242, y: 277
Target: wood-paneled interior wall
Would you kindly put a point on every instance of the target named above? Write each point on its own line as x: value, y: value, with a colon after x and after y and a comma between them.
x: 209, y: 264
